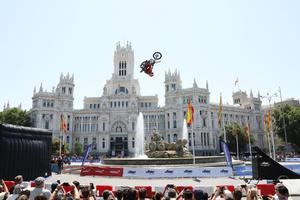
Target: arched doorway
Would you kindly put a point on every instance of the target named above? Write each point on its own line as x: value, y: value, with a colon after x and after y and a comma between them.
x: 119, y: 139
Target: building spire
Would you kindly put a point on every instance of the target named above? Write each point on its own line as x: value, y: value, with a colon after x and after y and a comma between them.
x: 207, y: 84
x: 195, y: 84
x: 41, y: 88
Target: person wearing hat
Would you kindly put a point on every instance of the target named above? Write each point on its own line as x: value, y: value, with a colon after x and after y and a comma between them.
x: 39, y: 189
x: 282, y: 193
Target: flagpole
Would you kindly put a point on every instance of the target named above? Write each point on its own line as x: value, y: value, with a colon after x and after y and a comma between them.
x: 225, y: 139
x: 193, y: 146
x: 60, y: 135
x: 194, y: 161
x: 250, y: 148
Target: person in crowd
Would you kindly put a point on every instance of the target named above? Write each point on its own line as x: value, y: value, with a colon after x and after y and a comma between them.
x: 131, y: 194
x: 218, y: 194
x: 142, y: 193
x: 158, y: 196
x: 108, y: 195
x: 253, y: 194
x: 187, y: 194
x: 237, y: 194
x: 3, y: 190
x: 24, y: 195
x: 119, y: 194
x: 87, y: 194
x: 281, y: 193
x: 169, y: 191
x: 198, y: 195
x: 40, y: 197
x: 60, y: 164
x: 205, y: 196
x: 39, y: 189
x: 18, y: 187
x: 172, y: 193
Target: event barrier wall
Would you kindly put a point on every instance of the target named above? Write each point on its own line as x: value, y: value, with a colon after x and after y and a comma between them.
x: 164, y: 172
x: 25, y: 151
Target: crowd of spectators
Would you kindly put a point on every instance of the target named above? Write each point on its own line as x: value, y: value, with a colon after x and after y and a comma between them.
x: 20, y: 190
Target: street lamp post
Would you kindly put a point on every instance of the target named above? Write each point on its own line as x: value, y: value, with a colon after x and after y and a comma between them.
x: 269, y: 98
x: 283, y: 118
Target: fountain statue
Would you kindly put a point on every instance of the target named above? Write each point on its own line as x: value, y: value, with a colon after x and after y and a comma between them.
x: 159, y: 148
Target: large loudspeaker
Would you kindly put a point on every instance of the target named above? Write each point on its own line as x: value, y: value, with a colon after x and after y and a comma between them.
x: 24, y: 151
x: 264, y: 167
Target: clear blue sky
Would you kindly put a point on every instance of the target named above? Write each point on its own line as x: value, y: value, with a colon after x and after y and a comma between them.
x: 256, y: 41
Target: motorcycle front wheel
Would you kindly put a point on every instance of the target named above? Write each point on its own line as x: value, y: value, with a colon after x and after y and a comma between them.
x: 157, y: 55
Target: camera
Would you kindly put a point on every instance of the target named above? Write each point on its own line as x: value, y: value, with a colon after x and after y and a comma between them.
x: 170, y: 186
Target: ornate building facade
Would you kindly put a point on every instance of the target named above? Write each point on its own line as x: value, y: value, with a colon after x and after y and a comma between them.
x: 109, y: 121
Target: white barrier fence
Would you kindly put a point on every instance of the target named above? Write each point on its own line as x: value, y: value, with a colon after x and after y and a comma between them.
x: 169, y: 172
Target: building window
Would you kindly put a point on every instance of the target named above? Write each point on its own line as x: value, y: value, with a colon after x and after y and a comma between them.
x: 64, y: 90
x: 103, y: 126
x: 94, y: 143
x: 85, y: 142
x: 46, y: 124
x: 169, y: 138
x: 175, y: 137
x: 77, y: 139
x: 168, y: 124
x: 174, y: 124
x: 103, y: 143
x: 70, y: 90
x: 132, y: 126
x: 167, y: 88
x: 133, y: 143
x: 173, y: 87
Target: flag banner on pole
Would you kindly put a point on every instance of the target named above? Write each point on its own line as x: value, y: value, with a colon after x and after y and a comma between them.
x: 220, y: 112
x: 269, y: 119
x: 226, y: 151
x: 247, y: 130
x: 236, y: 81
x: 86, y: 153
x: 63, y: 124
x: 190, y: 114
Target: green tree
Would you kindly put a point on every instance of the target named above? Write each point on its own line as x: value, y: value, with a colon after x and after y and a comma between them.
x: 55, y: 146
x: 235, y: 132
x: 78, y: 148
x: 291, y: 116
x: 15, y: 116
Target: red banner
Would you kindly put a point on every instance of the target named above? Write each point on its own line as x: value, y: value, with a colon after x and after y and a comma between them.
x: 101, y: 171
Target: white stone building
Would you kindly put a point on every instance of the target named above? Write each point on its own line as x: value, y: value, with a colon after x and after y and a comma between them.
x: 109, y: 121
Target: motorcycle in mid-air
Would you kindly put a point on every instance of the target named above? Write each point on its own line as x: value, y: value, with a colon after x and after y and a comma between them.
x: 147, y: 65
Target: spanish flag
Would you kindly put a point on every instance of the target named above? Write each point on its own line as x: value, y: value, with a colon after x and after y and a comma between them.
x: 63, y: 124
x: 269, y: 119
x: 190, y: 113
x: 247, y: 130
x: 220, y: 112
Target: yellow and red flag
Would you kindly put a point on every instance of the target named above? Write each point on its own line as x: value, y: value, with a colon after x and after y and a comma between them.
x: 269, y: 119
x: 247, y: 130
x: 190, y: 113
x: 220, y: 112
x: 63, y: 124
